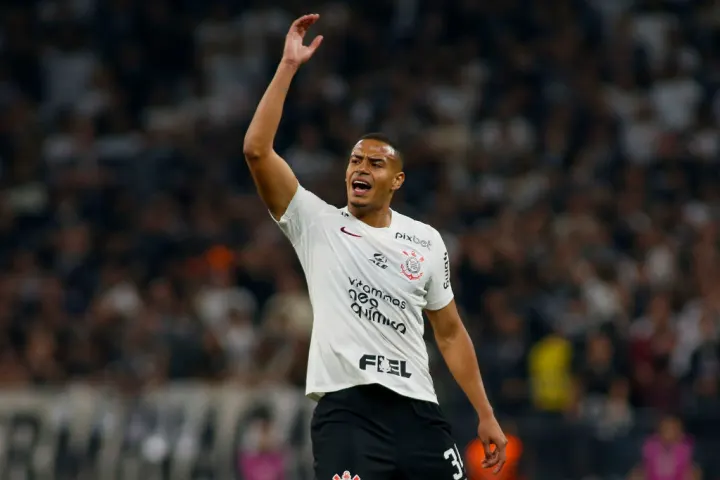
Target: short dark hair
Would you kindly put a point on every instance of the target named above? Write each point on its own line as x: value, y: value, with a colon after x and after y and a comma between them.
x: 381, y: 137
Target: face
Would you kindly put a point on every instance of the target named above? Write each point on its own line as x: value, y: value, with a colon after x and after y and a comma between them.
x: 373, y: 174
x: 670, y: 429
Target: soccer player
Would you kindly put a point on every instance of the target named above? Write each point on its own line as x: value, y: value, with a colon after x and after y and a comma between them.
x: 371, y: 272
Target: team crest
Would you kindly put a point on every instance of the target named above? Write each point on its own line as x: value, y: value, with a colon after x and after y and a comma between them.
x: 412, y: 267
x: 346, y: 476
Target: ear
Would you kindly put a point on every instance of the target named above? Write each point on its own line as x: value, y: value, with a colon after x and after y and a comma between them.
x: 398, y: 181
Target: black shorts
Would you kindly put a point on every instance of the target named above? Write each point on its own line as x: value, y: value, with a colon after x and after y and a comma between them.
x: 373, y: 433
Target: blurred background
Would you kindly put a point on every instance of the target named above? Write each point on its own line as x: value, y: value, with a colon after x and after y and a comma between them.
x: 154, y: 322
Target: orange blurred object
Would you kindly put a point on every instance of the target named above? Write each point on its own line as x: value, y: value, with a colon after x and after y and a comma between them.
x: 220, y: 258
x: 475, y: 454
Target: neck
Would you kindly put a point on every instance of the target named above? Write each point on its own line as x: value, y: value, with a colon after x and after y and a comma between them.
x: 376, y: 218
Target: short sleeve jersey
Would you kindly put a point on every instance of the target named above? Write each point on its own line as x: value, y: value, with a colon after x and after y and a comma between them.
x: 368, y: 288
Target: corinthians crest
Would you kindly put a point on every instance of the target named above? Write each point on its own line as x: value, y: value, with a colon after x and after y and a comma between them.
x: 346, y: 476
x: 412, y: 267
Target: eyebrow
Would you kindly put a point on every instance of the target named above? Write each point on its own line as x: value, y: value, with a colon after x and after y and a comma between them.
x: 372, y: 158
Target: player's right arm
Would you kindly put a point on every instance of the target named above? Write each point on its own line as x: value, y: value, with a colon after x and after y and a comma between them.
x: 275, y: 181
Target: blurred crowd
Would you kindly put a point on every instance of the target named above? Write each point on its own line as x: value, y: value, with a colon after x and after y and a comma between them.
x: 567, y: 150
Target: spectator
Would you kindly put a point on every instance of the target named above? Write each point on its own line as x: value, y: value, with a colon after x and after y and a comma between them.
x: 504, y: 355
x: 550, y: 374
x: 600, y: 367
x: 262, y: 457
x: 654, y: 339
x: 668, y: 454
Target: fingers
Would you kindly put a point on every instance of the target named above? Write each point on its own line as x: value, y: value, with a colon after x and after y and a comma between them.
x: 501, y: 463
x: 491, y: 456
x: 491, y: 461
x: 495, y: 457
x: 488, y: 450
x: 501, y: 456
x: 315, y: 43
x: 302, y: 24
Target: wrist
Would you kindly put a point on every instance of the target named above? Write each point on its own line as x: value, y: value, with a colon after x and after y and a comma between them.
x: 485, y: 412
x: 292, y: 65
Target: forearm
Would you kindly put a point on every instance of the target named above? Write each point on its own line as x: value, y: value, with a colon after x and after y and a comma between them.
x: 264, y: 125
x: 459, y: 354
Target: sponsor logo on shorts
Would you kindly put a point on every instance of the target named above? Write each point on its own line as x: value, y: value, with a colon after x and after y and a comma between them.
x: 412, y: 266
x: 414, y: 239
x: 346, y: 476
x: 382, y: 364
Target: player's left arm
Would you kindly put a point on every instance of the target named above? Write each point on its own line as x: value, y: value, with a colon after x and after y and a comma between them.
x: 457, y: 349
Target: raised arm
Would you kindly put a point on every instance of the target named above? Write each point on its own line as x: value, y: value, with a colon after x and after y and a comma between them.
x: 275, y: 181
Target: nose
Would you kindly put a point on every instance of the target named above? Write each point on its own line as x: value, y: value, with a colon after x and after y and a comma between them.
x: 363, y: 167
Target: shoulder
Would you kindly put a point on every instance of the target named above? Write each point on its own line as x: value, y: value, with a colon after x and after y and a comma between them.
x: 305, y: 201
x: 418, y: 232
x: 305, y: 213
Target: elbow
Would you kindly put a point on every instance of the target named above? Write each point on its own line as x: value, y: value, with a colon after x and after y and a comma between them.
x: 443, y: 343
x: 449, y: 336
x: 254, y: 147
x: 251, y: 150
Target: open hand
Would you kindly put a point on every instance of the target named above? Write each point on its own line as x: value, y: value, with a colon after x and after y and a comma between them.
x: 295, y: 52
x: 490, y: 433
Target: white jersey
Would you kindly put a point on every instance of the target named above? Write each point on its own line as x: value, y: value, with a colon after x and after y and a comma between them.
x: 368, y: 287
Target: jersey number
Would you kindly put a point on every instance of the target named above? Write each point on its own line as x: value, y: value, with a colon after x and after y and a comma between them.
x: 455, y: 458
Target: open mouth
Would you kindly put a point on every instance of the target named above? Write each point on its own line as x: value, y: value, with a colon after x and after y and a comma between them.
x: 360, y: 187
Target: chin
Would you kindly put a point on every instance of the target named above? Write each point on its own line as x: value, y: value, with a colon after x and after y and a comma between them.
x: 356, y: 202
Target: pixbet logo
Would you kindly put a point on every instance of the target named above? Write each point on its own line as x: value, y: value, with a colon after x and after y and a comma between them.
x: 384, y: 365
x: 414, y: 239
